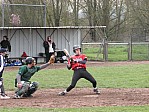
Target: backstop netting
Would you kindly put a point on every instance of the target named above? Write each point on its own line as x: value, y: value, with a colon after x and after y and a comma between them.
x: 26, y: 13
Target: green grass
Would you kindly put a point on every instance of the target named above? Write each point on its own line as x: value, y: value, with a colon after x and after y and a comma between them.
x: 118, y: 52
x: 87, y: 109
x: 140, y: 52
x: 127, y: 76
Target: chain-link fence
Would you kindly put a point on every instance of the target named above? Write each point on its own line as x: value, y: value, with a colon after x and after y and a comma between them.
x: 106, y: 51
x: 139, y: 45
x: 116, y: 51
x: 27, y: 14
x: 136, y: 47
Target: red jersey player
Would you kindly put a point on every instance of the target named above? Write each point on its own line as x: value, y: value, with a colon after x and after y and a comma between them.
x: 77, y: 63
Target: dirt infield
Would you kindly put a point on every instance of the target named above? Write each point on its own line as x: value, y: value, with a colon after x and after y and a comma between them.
x: 82, y: 97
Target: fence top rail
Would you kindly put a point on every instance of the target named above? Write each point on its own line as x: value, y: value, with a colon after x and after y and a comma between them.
x: 103, y: 43
x: 39, y: 5
x: 134, y: 43
x: 60, y: 27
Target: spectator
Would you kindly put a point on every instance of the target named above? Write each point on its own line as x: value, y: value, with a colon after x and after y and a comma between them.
x: 49, y: 48
x: 5, y: 43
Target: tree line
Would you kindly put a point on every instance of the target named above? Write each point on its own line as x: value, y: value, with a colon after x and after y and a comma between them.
x: 119, y: 16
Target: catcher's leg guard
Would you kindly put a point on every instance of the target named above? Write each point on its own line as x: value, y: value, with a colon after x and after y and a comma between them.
x: 24, y: 89
x: 33, y: 87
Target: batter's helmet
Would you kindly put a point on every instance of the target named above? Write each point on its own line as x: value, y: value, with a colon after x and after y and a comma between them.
x: 76, y: 47
x: 29, y: 60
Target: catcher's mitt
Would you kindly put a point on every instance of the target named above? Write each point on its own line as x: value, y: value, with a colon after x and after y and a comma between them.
x: 52, y: 59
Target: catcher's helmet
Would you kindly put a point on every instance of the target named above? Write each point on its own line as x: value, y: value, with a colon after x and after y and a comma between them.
x: 29, y: 60
x: 76, y: 47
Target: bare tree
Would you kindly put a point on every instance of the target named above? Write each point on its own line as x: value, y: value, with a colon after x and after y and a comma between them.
x: 117, y: 19
x: 57, y: 10
x: 75, y: 11
x: 140, y: 12
x: 117, y: 15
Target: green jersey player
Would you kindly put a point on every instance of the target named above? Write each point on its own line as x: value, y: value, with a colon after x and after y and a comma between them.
x: 25, y: 88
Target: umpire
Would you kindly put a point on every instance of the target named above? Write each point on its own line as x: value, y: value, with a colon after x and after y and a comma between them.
x: 3, y: 52
x: 77, y: 63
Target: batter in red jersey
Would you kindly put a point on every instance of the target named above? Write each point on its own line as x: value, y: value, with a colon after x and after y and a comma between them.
x: 77, y: 63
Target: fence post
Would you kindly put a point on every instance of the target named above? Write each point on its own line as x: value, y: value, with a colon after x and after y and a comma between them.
x: 105, y: 51
x: 129, y: 51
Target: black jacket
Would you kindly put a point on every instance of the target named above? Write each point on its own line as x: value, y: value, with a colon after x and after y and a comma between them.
x: 46, y: 46
x: 6, y: 44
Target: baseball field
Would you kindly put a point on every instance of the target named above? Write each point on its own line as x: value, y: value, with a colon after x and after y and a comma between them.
x: 124, y: 87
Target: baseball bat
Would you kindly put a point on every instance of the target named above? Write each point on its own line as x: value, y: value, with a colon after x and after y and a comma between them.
x: 67, y: 53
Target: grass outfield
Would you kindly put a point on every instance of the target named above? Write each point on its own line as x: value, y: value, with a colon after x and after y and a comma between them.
x: 89, y: 109
x: 127, y: 76
x: 117, y: 52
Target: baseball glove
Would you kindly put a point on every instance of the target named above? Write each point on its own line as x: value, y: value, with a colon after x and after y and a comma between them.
x: 52, y: 59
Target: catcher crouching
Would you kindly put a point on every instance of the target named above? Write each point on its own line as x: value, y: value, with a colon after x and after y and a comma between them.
x: 25, y: 88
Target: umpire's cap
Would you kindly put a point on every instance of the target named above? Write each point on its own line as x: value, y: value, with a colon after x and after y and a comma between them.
x: 76, y: 47
x: 2, y: 50
x: 29, y: 60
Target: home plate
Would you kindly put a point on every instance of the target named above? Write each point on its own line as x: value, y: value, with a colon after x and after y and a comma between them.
x: 90, y: 96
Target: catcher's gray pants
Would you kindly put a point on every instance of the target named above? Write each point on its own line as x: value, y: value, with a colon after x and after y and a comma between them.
x: 27, y: 88
x: 81, y: 73
x: 2, y: 87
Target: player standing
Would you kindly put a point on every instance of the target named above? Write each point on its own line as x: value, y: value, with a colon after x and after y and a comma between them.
x: 2, y: 90
x: 77, y: 63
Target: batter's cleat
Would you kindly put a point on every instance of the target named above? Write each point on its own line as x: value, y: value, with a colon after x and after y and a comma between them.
x: 16, y: 96
x: 62, y: 93
x: 4, y: 97
x: 96, y: 90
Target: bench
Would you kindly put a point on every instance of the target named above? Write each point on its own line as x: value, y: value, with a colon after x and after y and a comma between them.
x: 58, y: 57
x: 17, y: 58
x: 39, y: 57
x: 23, y: 58
x: 59, y: 54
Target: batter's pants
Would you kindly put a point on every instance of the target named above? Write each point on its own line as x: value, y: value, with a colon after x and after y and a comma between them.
x: 81, y: 73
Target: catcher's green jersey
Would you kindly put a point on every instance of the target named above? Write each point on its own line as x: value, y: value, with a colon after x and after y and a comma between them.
x: 26, y: 73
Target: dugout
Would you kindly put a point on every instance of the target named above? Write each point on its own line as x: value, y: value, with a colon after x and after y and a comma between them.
x: 30, y: 39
